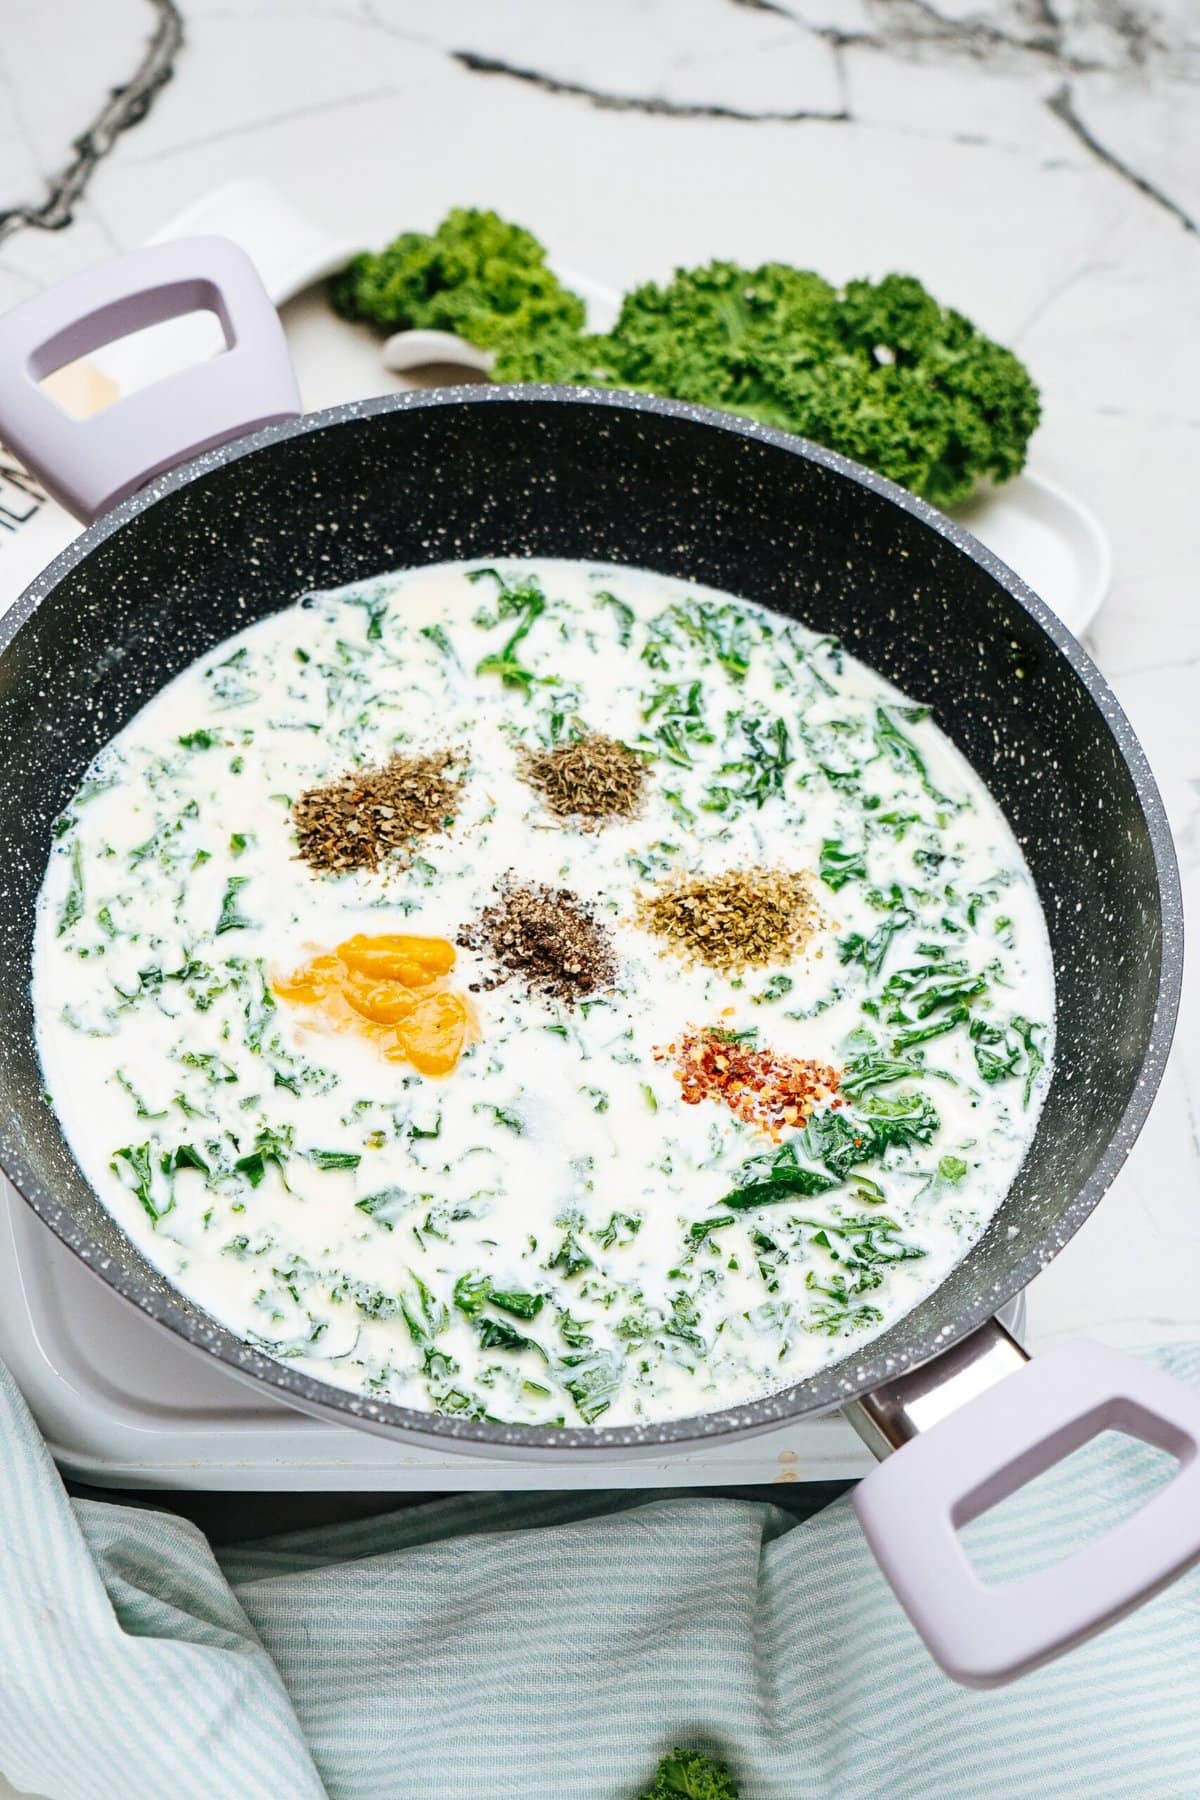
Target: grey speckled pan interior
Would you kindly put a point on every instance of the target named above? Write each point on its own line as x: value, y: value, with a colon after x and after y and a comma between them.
x: 399, y: 482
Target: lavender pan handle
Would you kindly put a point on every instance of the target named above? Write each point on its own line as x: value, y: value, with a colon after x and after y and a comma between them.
x: 912, y: 1506
x: 90, y: 464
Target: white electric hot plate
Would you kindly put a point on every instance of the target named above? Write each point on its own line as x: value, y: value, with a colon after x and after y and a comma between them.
x: 122, y: 1403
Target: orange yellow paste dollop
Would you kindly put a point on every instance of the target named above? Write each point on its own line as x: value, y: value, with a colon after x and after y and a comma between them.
x: 392, y: 989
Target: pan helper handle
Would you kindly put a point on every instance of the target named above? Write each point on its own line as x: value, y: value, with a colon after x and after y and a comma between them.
x: 1008, y: 1422
x: 88, y: 465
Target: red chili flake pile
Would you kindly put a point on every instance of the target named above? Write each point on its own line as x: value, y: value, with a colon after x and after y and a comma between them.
x: 763, y: 1088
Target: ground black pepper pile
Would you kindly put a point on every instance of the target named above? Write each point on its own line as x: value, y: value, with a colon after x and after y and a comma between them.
x: 547, y: 938
x: 594, y: 777
x: 374, y: 816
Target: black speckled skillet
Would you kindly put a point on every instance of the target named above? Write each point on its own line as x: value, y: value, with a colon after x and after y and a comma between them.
x: 244, y: 528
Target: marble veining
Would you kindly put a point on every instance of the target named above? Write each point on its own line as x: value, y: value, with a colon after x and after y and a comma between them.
x: 1076, y: 43
x: 121, y: 108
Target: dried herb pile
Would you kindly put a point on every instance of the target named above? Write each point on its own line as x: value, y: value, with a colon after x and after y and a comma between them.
x: 763, y: 1088
x: 373, y: 817
x: 548, y: 938
x: 596, y: 777
x: 730, y: 921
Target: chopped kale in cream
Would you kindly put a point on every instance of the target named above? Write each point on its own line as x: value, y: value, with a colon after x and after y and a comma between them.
x: 547, y: 1232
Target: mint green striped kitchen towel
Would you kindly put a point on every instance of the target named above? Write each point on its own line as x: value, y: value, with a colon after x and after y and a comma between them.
x: 550, y: 1647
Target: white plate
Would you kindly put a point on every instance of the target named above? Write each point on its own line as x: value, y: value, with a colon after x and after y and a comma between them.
x: 1052, y: 541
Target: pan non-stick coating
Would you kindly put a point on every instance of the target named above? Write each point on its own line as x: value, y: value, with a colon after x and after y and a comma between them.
x: 511, y: 472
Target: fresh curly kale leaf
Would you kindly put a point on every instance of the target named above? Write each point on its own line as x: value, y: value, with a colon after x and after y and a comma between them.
x: 476, y: 276
x: 690, y: 1775
x: 835, y: 1143
x: 879, y: 370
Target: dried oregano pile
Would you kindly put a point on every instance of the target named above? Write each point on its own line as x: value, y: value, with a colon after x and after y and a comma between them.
x: 594, y: 777
x: 547, y: 937
x: 730, y: 921
x: 373, y: 817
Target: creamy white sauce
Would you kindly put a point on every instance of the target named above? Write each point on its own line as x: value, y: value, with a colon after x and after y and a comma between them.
x: 156, y: 1031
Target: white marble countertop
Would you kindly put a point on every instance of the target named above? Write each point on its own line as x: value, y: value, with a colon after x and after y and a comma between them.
x: 1036, y: 162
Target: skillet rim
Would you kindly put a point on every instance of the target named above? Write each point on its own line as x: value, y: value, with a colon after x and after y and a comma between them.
x: 840, y: 1382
